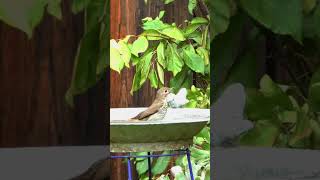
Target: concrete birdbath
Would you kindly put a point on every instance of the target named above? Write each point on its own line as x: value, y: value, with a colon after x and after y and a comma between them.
x: 174, y: 132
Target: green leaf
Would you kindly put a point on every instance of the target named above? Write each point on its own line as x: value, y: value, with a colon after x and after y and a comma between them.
x: 274, y: 92
x: 174, y: 33
x: 135, y: 60
x: 79, y: 5
x: 314, y: 97
x: 154, y: 35
x: 142, y: 71
x: 204, y: 53
x: 95, y: 10
x: 193, y: 60
x: 174, y: 61
x: 154, y: 24
x: 264, y: 134
x: 124, y: 52
x: 258, y: 106
x: 288, y: 116
x: 191, y: 28
x: 24, y: 15
x: 160, y: 54
x: 199, y: 20
x: 182, y: 80
x: 302, y: 129
x: 199, y: 153
x: 161, y: 164
x: 116, y: 60
x: 220, y: 13
x: 54, y: 9
x: 191, y: 6
x: 160, y: 73
x: 145, y: 66
x: 84, y: 73
x: 205, y: 133
x: 168, y: 1
x: 140, y: 154
x: 267, y: 13
x: 191, y: 104
x: 196, y: 36
x: 136, y: 82
x: 153, y: 79
x: 180, y: 176
x: 161, y: 14
x: 142, y: 166
x: 139, y: 46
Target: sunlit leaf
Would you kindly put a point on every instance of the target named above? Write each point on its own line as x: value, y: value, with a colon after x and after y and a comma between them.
x: 140, y: 45
x: 152, y: 35
x: 153, y: 79
x: 174, y: 33
x: 145, y: 66
x: 199, y: 20
x: 160, y: 73
x: 160, y: 54
x: 124, y: 52
x: 174, y: 61
x: 168, y: 1
x: 194, y: 61
x: 192, y: 5
x: 204, y: 53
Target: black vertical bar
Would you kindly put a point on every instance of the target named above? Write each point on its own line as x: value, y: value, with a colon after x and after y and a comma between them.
x: 149, y: 166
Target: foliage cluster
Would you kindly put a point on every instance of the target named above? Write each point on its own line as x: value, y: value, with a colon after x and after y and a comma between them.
x: 90, y: 61
x: 283, y: 34
x: 161, y: 48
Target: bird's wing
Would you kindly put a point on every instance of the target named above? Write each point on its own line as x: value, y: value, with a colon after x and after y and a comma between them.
x: 151, y: 110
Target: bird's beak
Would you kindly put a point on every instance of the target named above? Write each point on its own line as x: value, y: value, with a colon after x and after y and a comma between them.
x: 171, y: 90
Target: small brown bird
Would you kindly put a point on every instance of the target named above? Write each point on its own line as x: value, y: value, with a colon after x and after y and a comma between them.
x: 158, y: 108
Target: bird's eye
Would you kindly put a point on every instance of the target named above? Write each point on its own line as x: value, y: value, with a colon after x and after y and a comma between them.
x: 166, y: 91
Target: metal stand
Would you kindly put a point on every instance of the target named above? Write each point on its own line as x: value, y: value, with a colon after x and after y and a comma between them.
x: 149, y: 156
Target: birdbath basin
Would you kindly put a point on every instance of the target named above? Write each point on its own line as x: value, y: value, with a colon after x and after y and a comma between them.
x: 174, y: 132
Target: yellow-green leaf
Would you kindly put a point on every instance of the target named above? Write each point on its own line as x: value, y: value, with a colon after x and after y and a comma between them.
x: 160, y: 54
x: 174, y: 33
x: 160, y: 73
x: 153, y: 78
x: 140, y: 45
x: 174, y: 60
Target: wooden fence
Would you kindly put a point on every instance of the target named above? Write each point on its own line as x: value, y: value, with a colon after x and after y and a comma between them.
x: 34, y: 77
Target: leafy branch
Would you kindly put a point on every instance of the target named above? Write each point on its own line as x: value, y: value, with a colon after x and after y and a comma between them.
x: 179, y: 50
